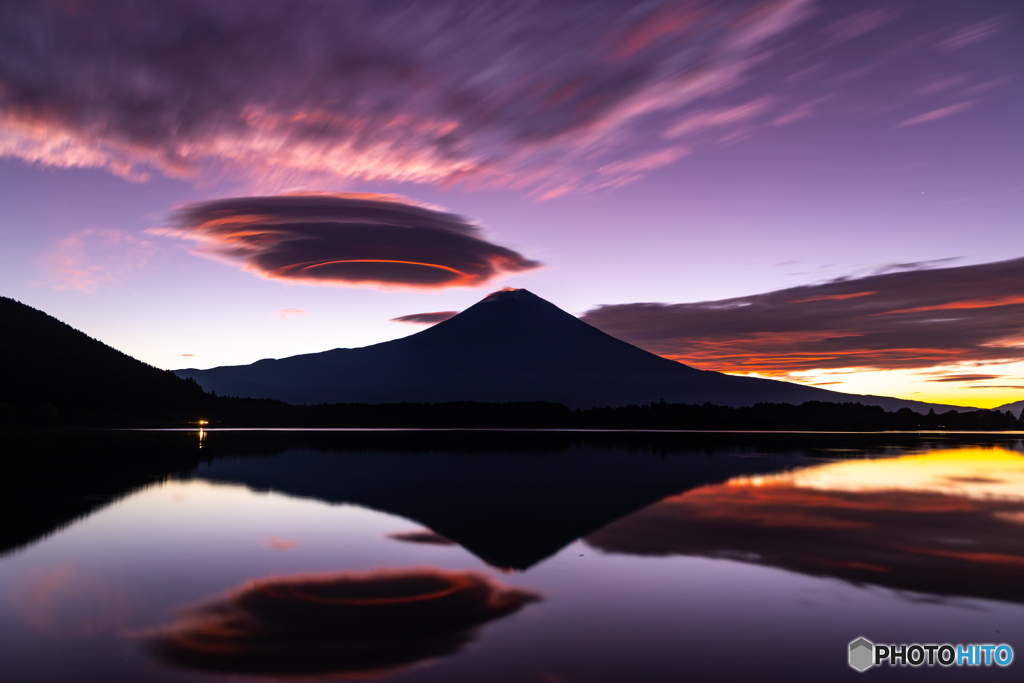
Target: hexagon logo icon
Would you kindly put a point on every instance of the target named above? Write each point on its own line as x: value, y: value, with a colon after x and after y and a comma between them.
x: 862, y: 654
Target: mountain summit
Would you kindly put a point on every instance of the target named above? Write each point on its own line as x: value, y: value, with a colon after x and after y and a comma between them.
x: 510, y: 346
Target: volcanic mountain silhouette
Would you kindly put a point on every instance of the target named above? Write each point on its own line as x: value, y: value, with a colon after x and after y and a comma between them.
x: 511, y: 346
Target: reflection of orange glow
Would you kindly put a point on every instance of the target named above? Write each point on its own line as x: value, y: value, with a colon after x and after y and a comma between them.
x: 862, y: 520
x: 989, y: 558
x: 849, y: 564
x: 279, y: 543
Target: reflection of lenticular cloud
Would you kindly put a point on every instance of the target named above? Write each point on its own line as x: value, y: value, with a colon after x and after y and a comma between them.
x: 940, y: 531
x: 426, y: 537
x: 354, y: 623
x: 346, y: 239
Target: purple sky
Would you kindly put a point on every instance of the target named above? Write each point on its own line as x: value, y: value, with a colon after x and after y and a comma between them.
x: 710, y: 156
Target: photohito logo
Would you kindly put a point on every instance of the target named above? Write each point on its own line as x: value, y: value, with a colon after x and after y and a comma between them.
x: 864, y: 654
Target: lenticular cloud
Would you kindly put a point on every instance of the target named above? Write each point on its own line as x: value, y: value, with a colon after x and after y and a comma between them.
x: 525, y: 93
x: 346, y: 239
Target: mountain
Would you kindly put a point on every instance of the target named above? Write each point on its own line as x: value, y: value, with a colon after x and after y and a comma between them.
x: 1016, y: 407
x: 54, y: 373
x: 511, y: 346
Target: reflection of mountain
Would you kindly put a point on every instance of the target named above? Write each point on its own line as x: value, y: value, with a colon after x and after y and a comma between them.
x: 924, y: 537
x: 512, y: 346
x: 49, y: 479
x: 326, y: 626
x: 510, y: 509
x: 513, y: 498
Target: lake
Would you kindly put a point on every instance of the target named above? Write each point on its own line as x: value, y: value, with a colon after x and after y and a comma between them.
x: 552, y: 557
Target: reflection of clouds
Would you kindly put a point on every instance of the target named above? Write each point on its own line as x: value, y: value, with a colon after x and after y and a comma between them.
x: 426, y: 537
x: 333, y: 624
x: 918, y: 523
x: 63, y: 602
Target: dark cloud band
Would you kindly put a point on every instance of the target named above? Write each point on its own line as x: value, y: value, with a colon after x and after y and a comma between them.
x: 346, y: 239
x: 911, y: 319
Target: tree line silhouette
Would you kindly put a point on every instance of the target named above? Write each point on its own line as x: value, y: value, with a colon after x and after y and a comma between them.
x: 54, y: 375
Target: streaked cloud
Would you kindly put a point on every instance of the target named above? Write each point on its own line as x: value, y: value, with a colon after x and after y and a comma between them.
x: 964, y: 378
x: 857, y: 24
x: 328, y: 626
x: 283, y: 313
x: 969, y: 35
x: 936, y: 114
x: 719, y: 117
x: 426, y: 318
x: 897, y: 320
x: 345, y: 239
x: 527, y: 94
x: 90, y: 259
x: 804, y: 111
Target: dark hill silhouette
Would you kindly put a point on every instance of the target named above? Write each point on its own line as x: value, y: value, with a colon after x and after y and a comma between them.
x: 53, y: 373
x: 511, y: 346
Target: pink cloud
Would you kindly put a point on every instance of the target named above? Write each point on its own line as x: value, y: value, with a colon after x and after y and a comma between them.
x: 720, y: 117
x: 937, y: 114
x: 972, y: 34
x: 90, y: 259
x: 856, y: 25
x: 804, y: 111
x: 494, y: 94
x: 283, y: 313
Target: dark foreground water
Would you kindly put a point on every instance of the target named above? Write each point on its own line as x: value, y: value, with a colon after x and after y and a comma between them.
x: 496, y: 556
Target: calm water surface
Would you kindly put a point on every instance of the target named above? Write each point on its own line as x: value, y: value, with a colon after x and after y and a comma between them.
x: 555, y: 558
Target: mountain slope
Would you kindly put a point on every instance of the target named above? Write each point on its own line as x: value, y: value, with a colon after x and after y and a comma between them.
x: 1016, y: 407
x: 511, y: 346
x: 54, y: 373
